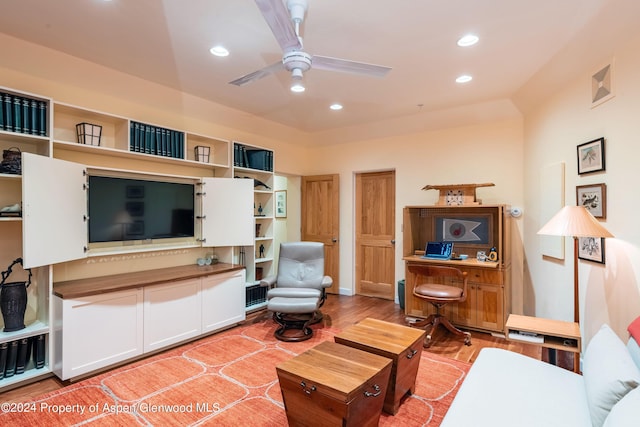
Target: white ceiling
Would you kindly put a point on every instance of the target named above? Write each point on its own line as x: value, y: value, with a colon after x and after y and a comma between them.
x: 168, y: 41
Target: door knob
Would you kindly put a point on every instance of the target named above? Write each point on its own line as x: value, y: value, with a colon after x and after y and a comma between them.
x: 334, y: 240
x: 393, y: 241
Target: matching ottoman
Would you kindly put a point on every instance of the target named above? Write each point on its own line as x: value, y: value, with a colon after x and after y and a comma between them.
x: 401, y: 344
x: 294, y: 315
x: 334, y: 385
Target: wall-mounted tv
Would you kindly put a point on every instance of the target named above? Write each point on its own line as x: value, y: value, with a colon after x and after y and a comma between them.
x: 123, y: 209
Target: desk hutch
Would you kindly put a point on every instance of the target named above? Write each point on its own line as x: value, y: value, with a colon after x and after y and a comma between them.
x: 471, y: 228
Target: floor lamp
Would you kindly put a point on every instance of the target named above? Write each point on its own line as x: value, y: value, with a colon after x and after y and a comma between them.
x: 576, y: 222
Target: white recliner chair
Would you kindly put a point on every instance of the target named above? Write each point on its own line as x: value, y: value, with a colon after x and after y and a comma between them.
x: 298, y: 290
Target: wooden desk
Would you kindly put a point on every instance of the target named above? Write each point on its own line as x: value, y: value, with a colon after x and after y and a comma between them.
x: 401, y: 344
x: 552, y: 334
x: 334, y: 385
x: 488, y: 302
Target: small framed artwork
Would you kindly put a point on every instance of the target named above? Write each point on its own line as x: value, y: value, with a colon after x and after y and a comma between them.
x: 135, y: 191
x: 594, y: 198
x: 591, y: 249
x: 591, y: 156
x: 470, y: 230
x: 281, y: 203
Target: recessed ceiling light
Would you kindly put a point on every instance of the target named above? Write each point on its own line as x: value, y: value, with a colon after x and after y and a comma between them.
x: 468, y: 40
x: 336, y: 107
x: 464, y: 79
x: 219, y: 51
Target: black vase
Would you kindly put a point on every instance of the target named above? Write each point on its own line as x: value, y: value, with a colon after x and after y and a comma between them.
x: 13, y: 303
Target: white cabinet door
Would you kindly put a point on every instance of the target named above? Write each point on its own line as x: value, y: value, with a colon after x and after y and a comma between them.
x: 54, y: 205
x: 223, y: 300
x: 172, y: 313
x: 98, y: 331
x: 228, y: 210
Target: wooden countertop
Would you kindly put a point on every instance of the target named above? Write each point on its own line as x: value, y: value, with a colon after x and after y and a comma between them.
x: 118, y: 282
x: 469, y: 262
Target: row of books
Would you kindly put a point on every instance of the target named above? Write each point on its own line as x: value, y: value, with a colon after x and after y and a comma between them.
x: 23, y: 115
x: 150, y: 139
x: 247, y: 157
x: 16, y: 355
x: 256, y: 295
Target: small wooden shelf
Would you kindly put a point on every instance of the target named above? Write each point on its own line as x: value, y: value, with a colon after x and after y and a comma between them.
x: 556, y: 334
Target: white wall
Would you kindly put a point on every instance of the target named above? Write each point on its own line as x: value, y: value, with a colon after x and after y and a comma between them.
x: 608, y: 293
x: 473, y: 154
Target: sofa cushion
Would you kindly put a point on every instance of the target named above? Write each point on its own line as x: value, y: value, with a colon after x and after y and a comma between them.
x: 634, y: 351
x: 625, y: 413
x: 507, y: 389
x: 609, y: 373
x: 634, y: 329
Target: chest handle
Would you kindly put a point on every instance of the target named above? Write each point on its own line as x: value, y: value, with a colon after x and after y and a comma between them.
x: 306, y: 389
x: 376, y: 389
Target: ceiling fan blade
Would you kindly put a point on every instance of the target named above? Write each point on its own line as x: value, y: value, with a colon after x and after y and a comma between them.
x: 277, y: 16
x: 346, y: 66
x: 256, y: 75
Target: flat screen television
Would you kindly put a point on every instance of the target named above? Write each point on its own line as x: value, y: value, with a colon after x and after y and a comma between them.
x: 123, y: 209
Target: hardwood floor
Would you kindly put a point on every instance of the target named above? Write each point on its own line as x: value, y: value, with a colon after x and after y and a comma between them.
x: 340, y: 312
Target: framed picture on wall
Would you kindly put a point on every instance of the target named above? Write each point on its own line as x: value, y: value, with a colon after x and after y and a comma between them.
x: 281, y: 203
x: 591, y: 156
x: 591, y: 249
x: 594, y: 198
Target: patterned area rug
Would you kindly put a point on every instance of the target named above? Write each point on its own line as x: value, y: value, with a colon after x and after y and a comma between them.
x: 227, y: 379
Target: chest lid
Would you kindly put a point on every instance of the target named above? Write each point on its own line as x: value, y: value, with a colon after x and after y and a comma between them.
x: 335, y: 370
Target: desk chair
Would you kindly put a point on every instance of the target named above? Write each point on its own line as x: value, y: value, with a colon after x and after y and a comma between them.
x: 298, y: 290
x: 436, y: 285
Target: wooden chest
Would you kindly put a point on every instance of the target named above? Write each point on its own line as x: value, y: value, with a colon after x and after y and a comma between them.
x: 401, y: 344
x: 334, y: 385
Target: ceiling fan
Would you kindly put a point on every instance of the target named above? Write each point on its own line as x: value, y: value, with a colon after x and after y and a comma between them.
x: 285, y: 24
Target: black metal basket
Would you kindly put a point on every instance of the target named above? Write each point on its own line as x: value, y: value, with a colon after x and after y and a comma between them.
x: 13, y: 299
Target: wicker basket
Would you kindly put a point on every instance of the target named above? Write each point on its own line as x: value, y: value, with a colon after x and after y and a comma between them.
x: 13, y: 300
x: 11, y: 161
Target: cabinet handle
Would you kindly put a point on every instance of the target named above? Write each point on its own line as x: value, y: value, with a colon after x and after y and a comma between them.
x: 306, y: 389
x: 201, y: 217
x: 85, y: 218
x: 376, y: 391
x: 201, y: 194
x: 411, y: 354
x: 201, y: 240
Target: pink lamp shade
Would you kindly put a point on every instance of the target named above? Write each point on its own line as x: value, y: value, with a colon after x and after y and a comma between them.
x: 574, y: 221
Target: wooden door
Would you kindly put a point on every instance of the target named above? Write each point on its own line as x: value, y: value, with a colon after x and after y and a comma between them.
x: 375, y: 234
x: 320, y: 222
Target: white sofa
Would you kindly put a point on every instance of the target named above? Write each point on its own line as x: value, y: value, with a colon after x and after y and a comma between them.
x: 504, y: 388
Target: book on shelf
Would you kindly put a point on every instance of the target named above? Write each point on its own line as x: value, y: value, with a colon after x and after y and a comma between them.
x: 526, y: 336
x: 38, y: 349
x: 4, y: 349
x: 21, y: 357
x: 21, y: 114
x: 12, y: 355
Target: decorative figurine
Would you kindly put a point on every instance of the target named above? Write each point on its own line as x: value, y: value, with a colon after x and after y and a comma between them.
x: 260, y: 209
x: 493, y: 255
x: 261, y: 251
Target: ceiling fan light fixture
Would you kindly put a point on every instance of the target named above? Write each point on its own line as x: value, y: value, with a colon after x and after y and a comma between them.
x: 219, y: 51
x: 464, y: 79
x: 336, y: 106
x: 296, y: 81
x: 468, y: 40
